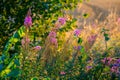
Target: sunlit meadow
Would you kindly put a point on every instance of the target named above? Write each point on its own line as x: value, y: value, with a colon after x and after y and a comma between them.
x: 51, y: 45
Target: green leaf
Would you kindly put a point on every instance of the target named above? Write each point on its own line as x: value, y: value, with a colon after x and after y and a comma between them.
x: 80, y: 40
x: 14, y: 73
x: 110, y: 48
x: 107, y: 68
x: 107, y: 38
x: 106, y: 35
x: 14, y: 39
x: 46, y: 78
x: 34, y: 78
x: 85, y: 15
x: 82, y: 50
x: 1, y: 67
x: 16, y: 61
x: 8, y: 66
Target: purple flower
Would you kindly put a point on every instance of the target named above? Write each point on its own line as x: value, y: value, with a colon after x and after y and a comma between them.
x: 118, y: 61
x: 77, y: 47
x: 107, y: 60
x: 28, y: 21
x: 77, y: 32
x: 62, y: 21
x: 117, y: 65
x: 88, y: 68
x: 115, y: 69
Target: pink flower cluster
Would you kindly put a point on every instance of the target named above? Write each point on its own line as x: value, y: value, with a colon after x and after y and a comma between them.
x: 52, y: 34
x: 114, y: 64
x: 107, y: 60
x: 77, y: 32
x: 53, y: 41
x: 62, y: 21
x: 25, y: 41
x: 115, y: 69
x: 92, y: 38
x: 37, y: 48
x: 52, y: 38
x: 28, y: 21
x: 62, y: 73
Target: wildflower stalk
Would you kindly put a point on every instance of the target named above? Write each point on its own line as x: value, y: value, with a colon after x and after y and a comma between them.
x: 51, y: 45
x: 105, y: 41
x: 25, y: 43
x: 26, y: 51
x: 106, y: 38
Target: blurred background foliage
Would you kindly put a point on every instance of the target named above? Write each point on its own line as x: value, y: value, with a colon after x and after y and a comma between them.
x: 44, y: 15
x: 44, y: 12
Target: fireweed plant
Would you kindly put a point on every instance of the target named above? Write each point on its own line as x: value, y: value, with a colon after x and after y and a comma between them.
x: 64, y: 55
